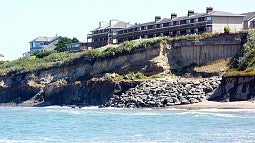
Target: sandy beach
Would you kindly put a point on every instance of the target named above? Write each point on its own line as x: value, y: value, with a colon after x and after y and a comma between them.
x: 217, y: 105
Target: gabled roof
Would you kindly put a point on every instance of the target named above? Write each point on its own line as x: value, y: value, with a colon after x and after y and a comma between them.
x: 222, y: 13
x: 44, y: 39
x: 248, y: 16
x: 113, y: 24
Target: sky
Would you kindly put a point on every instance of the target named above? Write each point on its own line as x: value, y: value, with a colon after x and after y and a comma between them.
x: 23, y: 20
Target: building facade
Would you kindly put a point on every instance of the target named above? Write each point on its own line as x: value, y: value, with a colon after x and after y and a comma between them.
x: 249, y: 20
x: 43, y: 44
x: 77, y: 47
x: 193, y: 23
x: 105, y: 33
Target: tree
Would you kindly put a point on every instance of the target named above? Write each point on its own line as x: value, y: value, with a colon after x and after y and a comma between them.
x: 61, y: 45
x: 75, y: 40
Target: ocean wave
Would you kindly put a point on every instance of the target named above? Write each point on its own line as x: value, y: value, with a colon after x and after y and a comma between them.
x: 227, y: 110
x: 17, y: 141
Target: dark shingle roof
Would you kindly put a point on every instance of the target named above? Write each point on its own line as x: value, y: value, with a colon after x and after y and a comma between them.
x: 222, y: 13
x: 195, y: 15
x: 113, y: 24
x: 248, y: 16
x: 44, y: 39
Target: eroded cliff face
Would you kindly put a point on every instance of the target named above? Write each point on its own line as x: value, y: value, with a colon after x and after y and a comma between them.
x: 238, y: 88
x: 72, y: 84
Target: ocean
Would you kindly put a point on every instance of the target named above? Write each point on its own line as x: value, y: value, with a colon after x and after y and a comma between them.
x: 77, y: 125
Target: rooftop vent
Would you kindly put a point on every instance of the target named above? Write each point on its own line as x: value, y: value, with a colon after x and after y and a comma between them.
x: 209, y: 9
x: 173, y: 15
x: 190, y: 12
x: 157, y: 18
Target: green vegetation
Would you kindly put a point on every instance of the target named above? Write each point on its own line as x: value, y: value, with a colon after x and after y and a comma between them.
x: 61, y: 45
x: 50, y: 59
x: 227, y: 29
x: 245, y: 64
x: 33, y: 63
x: 130, y: 46
x: 43, y: 54
x: 130, y: 76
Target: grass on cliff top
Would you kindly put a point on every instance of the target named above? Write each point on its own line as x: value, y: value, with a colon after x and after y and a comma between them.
x: 214, y: 67
x: 34, y: 63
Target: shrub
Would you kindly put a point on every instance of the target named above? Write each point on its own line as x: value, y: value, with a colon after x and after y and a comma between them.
x: 32, y: 58
x: 227, y: 29
x: 43, y: 54
x: 2, y: 62
x: 248, y: 58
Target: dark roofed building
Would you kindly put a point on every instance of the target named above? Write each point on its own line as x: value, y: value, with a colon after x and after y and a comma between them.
x: 43, y: 44
x: 210, y: 21
x: 104, y: 34
x: 249, y: 20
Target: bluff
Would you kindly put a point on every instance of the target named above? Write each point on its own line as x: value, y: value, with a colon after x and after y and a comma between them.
x: 235, y: 88
x: 82, y: 82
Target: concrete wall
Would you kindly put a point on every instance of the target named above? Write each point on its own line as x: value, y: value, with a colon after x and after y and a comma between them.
x: 184, y: 53
x: 219, y: 22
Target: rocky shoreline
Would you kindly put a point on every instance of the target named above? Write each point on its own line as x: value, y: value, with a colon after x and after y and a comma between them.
x: 164, y: 93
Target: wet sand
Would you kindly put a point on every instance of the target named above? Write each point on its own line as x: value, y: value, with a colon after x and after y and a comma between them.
x: 217, y: 105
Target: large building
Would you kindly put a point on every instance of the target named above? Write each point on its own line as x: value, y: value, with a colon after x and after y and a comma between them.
x: 105, y: 33
x: 249, y: 20
x: 210, y: 21
x: 43, y: 44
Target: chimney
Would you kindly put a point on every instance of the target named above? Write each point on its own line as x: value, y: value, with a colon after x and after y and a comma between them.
x: 173, y: 15
x: 100, y: 24
x: 190, y: 12
x: 157, y: 18
x: 209, y: 9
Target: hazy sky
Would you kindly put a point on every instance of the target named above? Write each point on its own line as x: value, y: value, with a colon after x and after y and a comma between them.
x: 24, y: 20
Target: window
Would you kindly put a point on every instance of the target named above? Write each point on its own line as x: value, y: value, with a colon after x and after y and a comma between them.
x: 195, y: 30
x: 188, y: 31
x: 183, y: 21
x: 209, y: 29
x: 154, y: 35
x: 161, y: 34
x: 187, y: 21
x: 120, y: 32
x: 145, y: 36
x: 144, y: 27
x: 170, y: 23
x: 176, y: 22
x: 38, y: 44
x: 201, y: 19
x: 196, y: 20
x: 208, y: 18
x: 151, y: 27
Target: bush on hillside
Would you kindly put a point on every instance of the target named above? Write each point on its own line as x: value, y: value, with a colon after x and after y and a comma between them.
x: 227, y: 29
x: 43, y: 54
x: 248, y: 58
